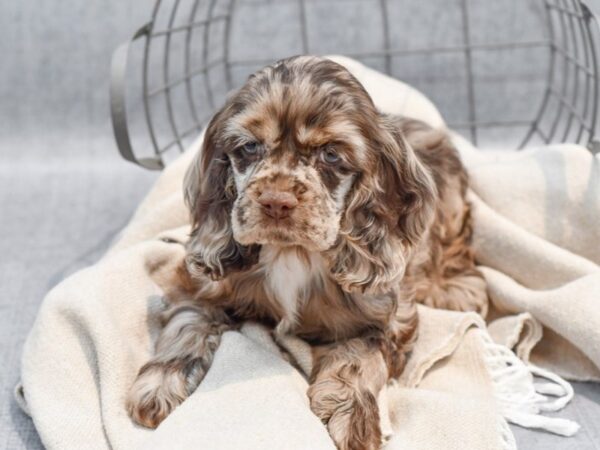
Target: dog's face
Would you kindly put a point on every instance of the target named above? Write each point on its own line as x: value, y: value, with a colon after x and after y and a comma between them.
x: 300, y: 156
x: 296, y: 148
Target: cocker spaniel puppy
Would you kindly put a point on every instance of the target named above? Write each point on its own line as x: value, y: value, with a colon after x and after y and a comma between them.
x: 317, y: 215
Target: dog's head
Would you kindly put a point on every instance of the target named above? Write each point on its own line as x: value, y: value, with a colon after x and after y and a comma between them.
x: 299, y: 156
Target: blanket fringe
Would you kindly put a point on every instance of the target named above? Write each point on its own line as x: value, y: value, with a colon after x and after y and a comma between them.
x: 508, y: 439
x: 520, y: 398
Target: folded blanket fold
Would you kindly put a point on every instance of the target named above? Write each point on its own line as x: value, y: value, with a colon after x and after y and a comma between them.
x: 463, y: 380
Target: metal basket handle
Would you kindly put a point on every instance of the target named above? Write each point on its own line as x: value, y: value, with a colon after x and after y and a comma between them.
x: 118, y: 103
x: 594, y: 144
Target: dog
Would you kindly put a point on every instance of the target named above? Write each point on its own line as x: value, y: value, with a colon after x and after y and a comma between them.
x: 319, y: 216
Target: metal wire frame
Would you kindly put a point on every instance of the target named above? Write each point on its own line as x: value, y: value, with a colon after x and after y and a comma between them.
x: 572, y: 45
x: 588, y: 118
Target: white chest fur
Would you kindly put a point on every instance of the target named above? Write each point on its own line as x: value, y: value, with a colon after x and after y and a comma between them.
x: 288, y: 278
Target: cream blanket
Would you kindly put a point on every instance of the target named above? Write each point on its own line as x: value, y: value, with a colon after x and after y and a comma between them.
x: 536, y: 235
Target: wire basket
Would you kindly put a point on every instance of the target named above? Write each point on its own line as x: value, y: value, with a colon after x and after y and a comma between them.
x: 508, y: 72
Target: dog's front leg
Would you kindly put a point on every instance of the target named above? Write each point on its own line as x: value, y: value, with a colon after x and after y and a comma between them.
x: 345, y: 383
x: 184, y: 353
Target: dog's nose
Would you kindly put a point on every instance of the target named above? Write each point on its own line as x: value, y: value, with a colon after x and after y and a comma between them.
x: 277, y: 204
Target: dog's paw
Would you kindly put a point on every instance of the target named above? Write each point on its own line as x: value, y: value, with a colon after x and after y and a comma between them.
x: 351, y: 417
x: 157, y: 391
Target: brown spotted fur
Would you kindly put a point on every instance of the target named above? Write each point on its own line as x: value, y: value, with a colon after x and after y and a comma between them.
x: 382, y: 228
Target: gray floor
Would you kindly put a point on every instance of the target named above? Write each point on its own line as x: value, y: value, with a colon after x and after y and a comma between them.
x: 57, y: 216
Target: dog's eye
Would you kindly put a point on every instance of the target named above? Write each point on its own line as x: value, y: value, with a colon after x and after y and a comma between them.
x: 251, y: 148
x: 329, y: 156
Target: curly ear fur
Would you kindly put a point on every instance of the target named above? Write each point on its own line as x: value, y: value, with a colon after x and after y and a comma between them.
x: 209, y: 192
x: 386, y: 216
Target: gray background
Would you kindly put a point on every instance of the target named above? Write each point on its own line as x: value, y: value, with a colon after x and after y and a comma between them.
x: 64, y: 191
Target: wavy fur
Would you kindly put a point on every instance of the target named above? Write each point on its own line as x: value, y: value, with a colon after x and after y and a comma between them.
x: 377, y: 221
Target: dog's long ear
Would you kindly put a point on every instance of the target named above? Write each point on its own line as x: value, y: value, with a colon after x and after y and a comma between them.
x: 209, y: 192
x: 386, y: 215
